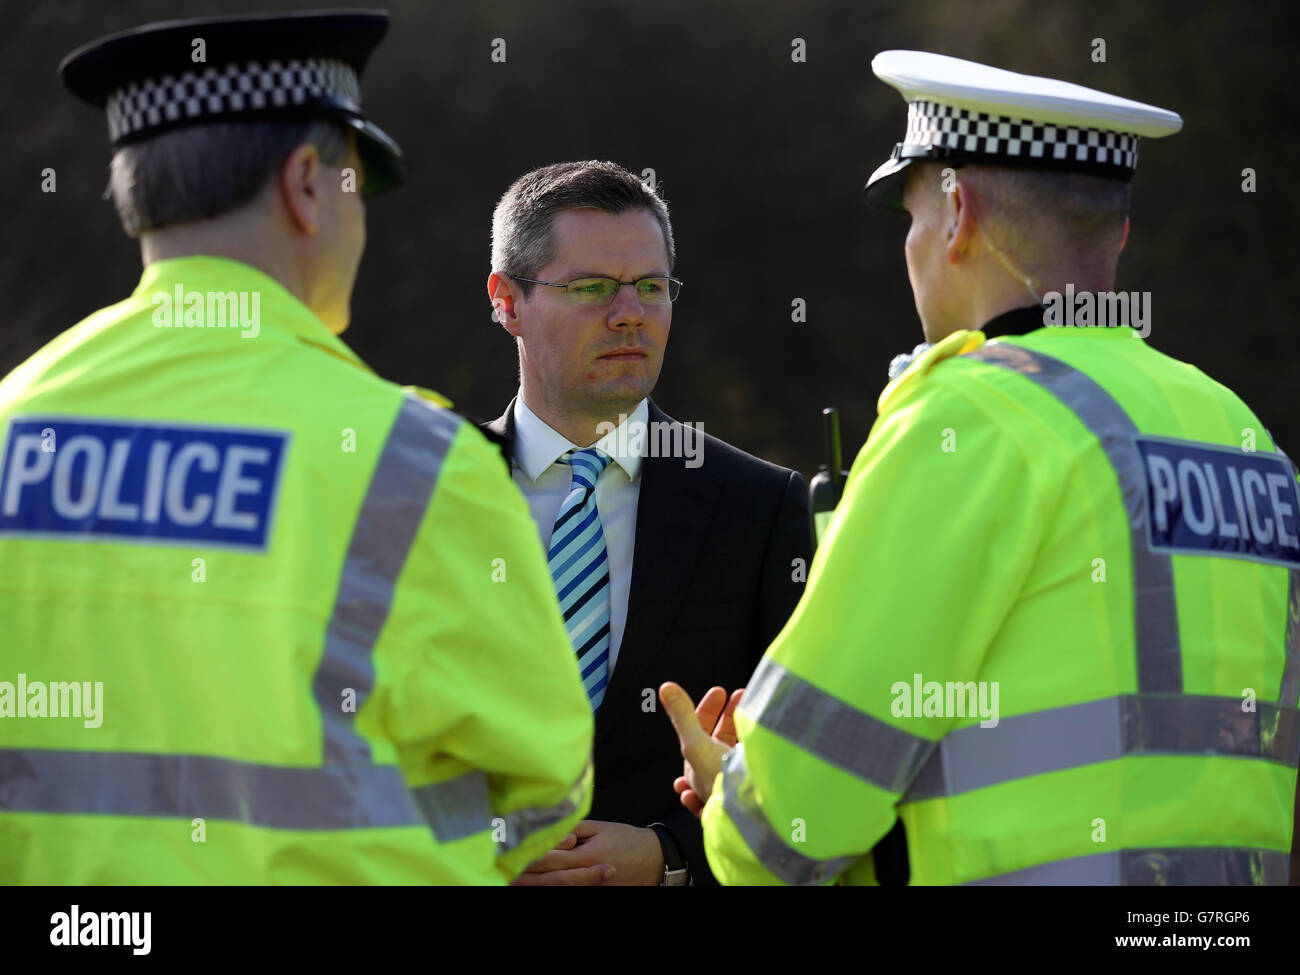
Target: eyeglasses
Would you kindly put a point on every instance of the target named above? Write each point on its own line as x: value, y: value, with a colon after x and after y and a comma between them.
x: 601, y: 291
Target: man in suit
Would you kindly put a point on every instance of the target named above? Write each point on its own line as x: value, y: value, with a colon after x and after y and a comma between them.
x: 675, y: 555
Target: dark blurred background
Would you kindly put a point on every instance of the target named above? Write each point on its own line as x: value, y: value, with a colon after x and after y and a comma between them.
x: 762, y: 161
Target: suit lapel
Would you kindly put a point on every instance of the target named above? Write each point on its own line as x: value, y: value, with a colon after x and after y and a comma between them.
x: 674, y: 511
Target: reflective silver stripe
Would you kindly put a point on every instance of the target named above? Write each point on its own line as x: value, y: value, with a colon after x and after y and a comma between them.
x: 359, y: 796
x: 1195, y: 866
x: 400, y: 488
x: 1290, y: 695
x: 523, y: 823
x: 742, y: 809
x: 1102, y: 731
x: 833, y: 730
x: 1159, y: 658
x: 457, y: 808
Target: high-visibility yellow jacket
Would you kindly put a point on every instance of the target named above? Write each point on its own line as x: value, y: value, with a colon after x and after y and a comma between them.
x: 309, y: 630
x: 1047, y: 628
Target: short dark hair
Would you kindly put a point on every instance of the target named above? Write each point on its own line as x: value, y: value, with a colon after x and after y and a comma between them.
x: 1085, y: 210
x: 522, y: 238
x: 1036, y: 212
x: 203, y: 171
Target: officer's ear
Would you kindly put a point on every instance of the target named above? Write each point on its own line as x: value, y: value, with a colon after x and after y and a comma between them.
x: 959, y: 220
x: 302, y: 187
x: 502, y: 295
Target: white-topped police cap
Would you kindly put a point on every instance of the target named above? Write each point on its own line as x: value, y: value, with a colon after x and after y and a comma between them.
x: 964, y: 112
x: 302, y: 65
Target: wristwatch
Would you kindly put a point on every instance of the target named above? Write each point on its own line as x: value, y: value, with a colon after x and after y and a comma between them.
x: 677, y: 872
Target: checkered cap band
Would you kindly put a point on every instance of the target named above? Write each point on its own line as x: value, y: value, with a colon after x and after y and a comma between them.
x: 229, y: 90
x: 933, y: 124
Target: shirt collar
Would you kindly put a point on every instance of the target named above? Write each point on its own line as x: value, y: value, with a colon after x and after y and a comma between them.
x: 538, y: 445
x: 278, y: 309
x: 1017, y: 321
x: 1030, y: 318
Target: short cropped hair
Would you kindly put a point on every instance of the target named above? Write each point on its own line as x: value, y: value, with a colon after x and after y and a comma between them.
x: 203, y: 171
x: 523, y: 241
x: 1037, y: 211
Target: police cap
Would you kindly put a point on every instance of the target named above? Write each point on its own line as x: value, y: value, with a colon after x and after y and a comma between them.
x: 960, y: 111
x: 303, y: 65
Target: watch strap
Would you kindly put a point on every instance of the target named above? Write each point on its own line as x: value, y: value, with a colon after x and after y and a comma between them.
x: 677, y: 871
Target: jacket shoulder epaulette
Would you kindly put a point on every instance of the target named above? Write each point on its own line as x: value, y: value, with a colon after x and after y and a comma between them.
x: 958, y: 343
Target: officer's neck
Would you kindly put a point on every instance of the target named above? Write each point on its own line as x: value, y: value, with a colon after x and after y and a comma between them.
x: 240, y: 236
x: 999, y: 293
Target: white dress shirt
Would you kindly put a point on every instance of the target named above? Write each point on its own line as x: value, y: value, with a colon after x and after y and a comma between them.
x: 545, y: 483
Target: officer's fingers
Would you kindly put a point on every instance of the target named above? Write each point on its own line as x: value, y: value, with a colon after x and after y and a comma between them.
x: 680, y: 784
x: 568, y: 843
x: 691, y: 800
x: 726, y: 730
x: 681, y: 712
x: 710, y: 706
x: 577, y: 877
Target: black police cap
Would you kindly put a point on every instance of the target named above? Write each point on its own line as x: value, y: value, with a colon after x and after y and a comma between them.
x: 303, y: 65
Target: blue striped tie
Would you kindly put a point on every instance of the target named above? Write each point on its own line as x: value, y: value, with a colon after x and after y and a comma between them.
x: 580, y: 567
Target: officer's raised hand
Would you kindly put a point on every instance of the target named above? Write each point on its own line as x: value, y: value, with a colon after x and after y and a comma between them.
x: 706, y: 733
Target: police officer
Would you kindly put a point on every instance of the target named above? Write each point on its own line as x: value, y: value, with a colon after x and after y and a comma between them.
x: 1048, y: 626
x: 269, y: 618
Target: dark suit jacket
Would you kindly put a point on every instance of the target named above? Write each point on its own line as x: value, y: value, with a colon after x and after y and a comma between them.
x: 713, y: 582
